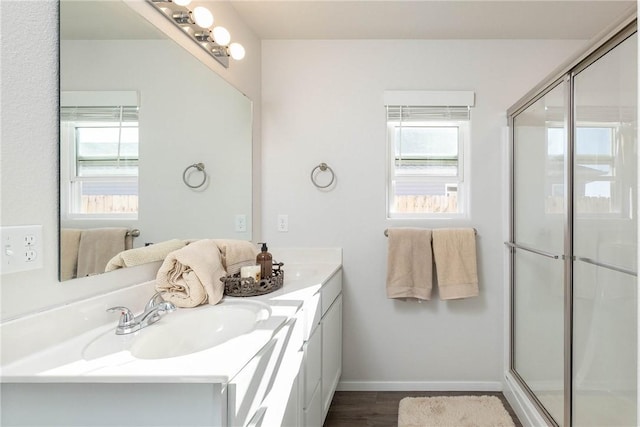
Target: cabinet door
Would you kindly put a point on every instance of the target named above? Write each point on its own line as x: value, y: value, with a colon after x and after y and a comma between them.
x: 251, y: 385
x: 331, y: 352
x: 312, y: 364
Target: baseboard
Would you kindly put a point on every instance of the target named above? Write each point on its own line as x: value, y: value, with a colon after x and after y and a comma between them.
x: 419, y: 386
x: 522, y: 406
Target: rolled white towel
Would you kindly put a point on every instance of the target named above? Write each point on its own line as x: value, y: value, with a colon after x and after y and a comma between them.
x: 191, y: 275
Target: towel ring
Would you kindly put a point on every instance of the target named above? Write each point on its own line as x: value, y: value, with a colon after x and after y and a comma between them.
x: 200, y: 168
x: 322, y: 167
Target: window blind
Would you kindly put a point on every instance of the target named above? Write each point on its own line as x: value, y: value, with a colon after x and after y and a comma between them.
x: 399, y: 113
x: 99, y: 114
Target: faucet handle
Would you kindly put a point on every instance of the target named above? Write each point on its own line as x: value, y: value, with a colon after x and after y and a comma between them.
x: 154, y: 300
x: 126, y: 316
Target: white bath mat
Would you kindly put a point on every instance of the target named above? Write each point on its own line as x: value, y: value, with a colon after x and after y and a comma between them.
x: 453, y: 411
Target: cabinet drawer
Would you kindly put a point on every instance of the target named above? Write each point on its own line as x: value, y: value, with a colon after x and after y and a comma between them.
x: 312, y: 364
x: 330, y: 290
x: 312, y: 313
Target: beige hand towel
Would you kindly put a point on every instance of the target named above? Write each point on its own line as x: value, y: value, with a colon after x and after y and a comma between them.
x: 144, y: 255
x: 454, y: 251
x: 191, y: 275
x: 409, y: 263
x: 236, y: 254
x: 97, y: 246
x: 69, y: 245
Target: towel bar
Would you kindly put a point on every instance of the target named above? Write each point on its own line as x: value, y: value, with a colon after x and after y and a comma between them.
x: 386, y: 232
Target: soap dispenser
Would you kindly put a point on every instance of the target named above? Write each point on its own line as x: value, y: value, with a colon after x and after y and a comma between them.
x: 265, y: 261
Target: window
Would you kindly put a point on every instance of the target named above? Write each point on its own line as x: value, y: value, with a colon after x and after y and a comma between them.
x: 100, y: 154
x: 426, y: 146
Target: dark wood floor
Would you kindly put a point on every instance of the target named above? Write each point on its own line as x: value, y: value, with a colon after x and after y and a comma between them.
x: 380, y: 408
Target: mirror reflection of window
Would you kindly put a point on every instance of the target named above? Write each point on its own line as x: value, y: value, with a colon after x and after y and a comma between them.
x: 101, y: 156
x: 595, y: 164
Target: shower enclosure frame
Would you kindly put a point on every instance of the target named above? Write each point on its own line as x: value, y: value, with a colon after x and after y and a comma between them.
x: 608, y: 40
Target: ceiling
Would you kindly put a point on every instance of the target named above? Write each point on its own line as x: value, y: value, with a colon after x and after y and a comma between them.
x: 369, y: 19
x: 428, y: 19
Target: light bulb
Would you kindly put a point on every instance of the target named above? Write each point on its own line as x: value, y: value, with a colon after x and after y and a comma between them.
x: 182, y: 2
x: 203, y: 17
x: 221, y: 36
x: 237, y: 51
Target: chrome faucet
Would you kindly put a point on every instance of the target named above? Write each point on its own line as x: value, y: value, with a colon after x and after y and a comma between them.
x: 154, y: 309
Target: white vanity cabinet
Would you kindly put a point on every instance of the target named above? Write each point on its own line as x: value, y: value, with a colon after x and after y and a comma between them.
x: 322, y: 351
x: 282, y: 374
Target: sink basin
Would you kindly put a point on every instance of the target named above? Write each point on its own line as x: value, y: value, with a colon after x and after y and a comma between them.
x: 185, y: 331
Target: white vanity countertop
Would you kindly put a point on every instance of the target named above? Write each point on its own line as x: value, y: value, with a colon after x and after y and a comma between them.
x: 64, y: 362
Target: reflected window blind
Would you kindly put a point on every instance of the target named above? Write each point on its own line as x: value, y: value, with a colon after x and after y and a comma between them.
x: 99, y: 114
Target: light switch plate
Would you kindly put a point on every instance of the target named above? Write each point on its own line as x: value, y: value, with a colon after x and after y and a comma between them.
x: 241, y: 223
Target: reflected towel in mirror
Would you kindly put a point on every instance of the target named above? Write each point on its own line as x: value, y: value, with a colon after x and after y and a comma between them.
x: 97, y: 246
x: 138, y: 256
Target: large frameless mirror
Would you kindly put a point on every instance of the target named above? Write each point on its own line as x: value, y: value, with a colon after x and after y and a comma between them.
x: 154, y: 145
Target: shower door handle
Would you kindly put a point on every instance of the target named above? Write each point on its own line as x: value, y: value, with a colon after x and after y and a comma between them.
x: 608, y: 266
x: 535, y: 251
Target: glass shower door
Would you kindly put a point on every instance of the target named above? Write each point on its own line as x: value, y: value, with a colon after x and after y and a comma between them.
x: 605, y: 239
x: 539, y: 171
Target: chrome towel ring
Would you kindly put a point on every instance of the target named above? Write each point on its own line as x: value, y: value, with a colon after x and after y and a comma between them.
x: 200, y: 168
x: 322, y: 167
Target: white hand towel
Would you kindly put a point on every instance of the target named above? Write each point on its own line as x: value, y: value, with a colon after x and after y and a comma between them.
x: 454, y: 251
x: 97, y: 246
x: 409, y: 263
x: 191, y: 275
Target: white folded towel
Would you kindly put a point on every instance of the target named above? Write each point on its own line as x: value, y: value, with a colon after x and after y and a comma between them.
x: 409, y: 263
x: 191, y: 275
x: 454, y: 251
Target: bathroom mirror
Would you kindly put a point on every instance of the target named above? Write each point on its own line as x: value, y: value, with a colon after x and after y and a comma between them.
x: 139, y: 114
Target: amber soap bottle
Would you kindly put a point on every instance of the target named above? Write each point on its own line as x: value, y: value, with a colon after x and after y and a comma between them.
x: 265, y: 261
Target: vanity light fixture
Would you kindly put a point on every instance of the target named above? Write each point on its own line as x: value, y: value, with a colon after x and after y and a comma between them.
x: 197, y: 23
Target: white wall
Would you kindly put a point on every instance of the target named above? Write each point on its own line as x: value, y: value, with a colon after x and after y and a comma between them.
x: 29, y: 126
x: 322, y: 102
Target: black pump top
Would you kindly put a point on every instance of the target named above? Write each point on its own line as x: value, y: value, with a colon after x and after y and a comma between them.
x: 264, y: 247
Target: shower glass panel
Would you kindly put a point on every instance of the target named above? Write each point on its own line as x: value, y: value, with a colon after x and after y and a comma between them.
x: 605, y: 240
x: 538, y: 234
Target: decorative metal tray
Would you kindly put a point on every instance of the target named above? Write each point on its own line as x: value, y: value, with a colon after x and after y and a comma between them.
x: 236, y: 286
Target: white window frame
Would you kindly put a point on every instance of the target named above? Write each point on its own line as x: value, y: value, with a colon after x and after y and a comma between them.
x: 69, y: 198
x: 441, y: 100
x: 464, y: 128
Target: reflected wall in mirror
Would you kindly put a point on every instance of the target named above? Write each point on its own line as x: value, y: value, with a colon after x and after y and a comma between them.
x: 136, y: 111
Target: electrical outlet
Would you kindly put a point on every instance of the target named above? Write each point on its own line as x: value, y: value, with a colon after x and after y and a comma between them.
x: 283, y: 223
x: 21, y: 248
x: 241, y: 223
x: 30, y: 255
